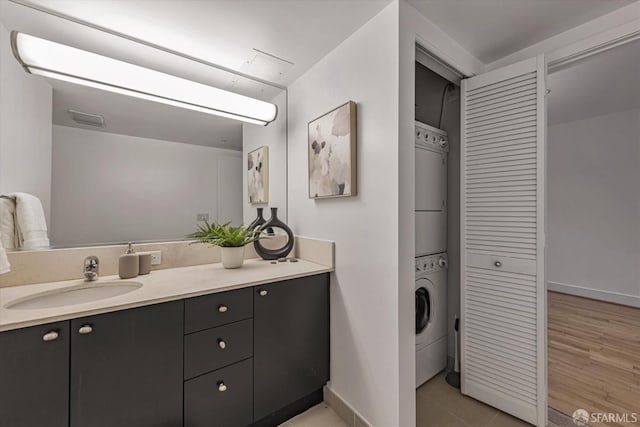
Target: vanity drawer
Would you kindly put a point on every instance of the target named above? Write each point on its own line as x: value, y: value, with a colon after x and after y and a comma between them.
x: 221, y: 398
x: 217, y: 309
x: 214, y: 348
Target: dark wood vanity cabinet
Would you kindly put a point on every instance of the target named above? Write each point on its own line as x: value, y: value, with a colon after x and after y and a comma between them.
x: 34, y: 376
x: 126, y: 368
x: 271, y: 367
x: 218, y: 364
x: 253, y: 356
x: 291, y: 344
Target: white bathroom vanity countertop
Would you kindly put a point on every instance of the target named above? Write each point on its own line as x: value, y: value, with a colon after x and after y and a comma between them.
x: 158, y: 286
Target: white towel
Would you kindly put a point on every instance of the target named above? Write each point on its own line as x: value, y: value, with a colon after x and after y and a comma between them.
x: 5, y: 267
x: 8, y: 223
x: 30, y: 222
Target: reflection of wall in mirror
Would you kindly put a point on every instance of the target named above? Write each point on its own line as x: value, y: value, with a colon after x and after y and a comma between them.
x: 275, y: 136
x: 25, y: 129
x: 114, y: 188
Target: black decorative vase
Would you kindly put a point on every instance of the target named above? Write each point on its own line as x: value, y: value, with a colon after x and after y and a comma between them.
x: 258, y: 221
x: 274, y: 222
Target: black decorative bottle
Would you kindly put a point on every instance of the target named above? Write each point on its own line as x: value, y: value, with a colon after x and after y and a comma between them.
x: 258, y: 221
x: 274, y: 222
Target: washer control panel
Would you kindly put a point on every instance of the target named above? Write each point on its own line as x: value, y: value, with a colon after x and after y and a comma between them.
x: 432, y: 263
x: 432, y: 138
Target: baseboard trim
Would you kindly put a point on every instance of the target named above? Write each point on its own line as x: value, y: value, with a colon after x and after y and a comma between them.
x: 282, y: 415
x: 340, y: 406
x: 614, y: 297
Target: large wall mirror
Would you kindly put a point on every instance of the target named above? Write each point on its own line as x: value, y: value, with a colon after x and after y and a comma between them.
x: 110, y: 168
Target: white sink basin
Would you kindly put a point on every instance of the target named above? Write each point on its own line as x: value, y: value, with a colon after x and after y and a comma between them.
x: 86, y: 292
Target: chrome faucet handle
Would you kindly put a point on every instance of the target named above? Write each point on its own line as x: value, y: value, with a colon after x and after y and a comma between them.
x: 91, y: 268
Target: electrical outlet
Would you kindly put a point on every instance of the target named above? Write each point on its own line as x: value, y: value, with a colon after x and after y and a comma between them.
x: 202, y: 217
x: 156, y: 257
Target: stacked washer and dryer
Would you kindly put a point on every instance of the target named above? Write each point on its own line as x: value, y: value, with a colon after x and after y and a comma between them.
x: 431, y: 148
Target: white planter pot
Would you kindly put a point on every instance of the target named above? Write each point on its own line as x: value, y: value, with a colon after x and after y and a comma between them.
x: 232, y: 257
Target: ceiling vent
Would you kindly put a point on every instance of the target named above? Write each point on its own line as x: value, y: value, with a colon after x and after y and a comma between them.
x: 87, y: 119
x: 266, y: 65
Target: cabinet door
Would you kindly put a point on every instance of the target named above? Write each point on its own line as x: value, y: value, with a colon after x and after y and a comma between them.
x: 126, y: 368
x: 34, y: 376
x: 291, y: 342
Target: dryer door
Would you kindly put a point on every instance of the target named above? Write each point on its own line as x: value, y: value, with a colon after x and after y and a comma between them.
x: 431, y: 180
x: 431, y: 196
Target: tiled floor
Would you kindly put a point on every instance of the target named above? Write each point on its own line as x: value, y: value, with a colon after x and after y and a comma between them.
x: 319, y: 416
x: 440, y: 405
x: 437, y: 405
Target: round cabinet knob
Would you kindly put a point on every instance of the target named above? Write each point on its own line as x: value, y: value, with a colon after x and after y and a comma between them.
x: 222, y: 387
x: 497, y: 264
x: 222, y: 344
x: 86, y: 329
x: 50, y: 336
x: 263, y: 293
x: 222, y: 308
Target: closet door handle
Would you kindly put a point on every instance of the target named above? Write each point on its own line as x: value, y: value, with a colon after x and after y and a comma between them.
x: 497, y: 264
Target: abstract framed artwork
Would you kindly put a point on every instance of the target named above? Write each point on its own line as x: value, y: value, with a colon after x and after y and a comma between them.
x: 332, y: 153
x: 258, y: 175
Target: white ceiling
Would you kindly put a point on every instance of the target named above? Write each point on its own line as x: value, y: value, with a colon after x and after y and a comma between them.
x: 126, y: 115
x: 492, y: 29
x: 225, y: 32
x: 601, y: 84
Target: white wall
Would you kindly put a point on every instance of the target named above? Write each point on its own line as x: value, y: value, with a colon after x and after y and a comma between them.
x: 364, y: 287
x: 25, y: 129
x: 594, y: 207
x: 274, y: 136
x: 115, y: 188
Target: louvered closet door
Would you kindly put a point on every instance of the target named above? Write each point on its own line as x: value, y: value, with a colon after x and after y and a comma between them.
x: 503, y: 293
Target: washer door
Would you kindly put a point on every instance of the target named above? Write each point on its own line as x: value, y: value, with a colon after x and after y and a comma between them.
x: 431, y: 310
x: 423, y: 309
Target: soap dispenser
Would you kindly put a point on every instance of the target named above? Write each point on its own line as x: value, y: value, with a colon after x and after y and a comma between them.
x: 128, y: 264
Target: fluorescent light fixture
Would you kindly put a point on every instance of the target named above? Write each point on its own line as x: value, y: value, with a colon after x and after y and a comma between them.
x: 61, y: 62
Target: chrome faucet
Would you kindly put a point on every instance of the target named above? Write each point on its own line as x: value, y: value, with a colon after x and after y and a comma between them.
x: 91, y: 264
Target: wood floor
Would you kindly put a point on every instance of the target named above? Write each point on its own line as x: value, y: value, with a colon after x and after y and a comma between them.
x: 594, y: 356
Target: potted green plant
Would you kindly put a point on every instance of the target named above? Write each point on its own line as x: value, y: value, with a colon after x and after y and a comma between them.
x: 230, y: 239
